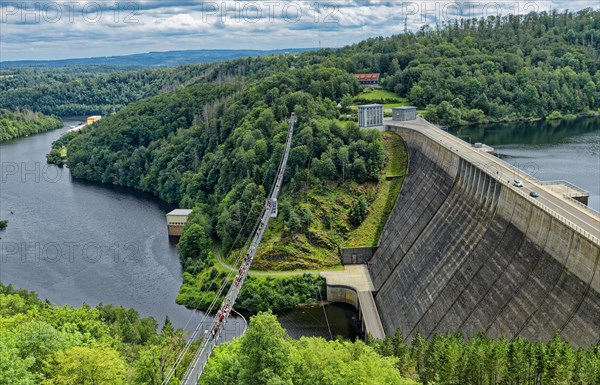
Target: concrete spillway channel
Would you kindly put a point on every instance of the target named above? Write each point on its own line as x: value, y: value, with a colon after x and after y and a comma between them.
x: 464, y: 250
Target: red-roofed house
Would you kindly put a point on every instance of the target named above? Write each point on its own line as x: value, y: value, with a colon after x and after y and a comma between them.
x: 367, y: 79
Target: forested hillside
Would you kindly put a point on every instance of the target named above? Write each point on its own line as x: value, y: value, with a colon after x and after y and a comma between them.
x: 515, y: 67
x: 72, y: 93
x: 211, y: 139
x: 451, y: 359
x: 495, y: 69
x: 267, y: 355
x: 217, y: 146
x: 109, y: 345
x: 87, y: 90
x: 214, y: 141
x: 17, y: 124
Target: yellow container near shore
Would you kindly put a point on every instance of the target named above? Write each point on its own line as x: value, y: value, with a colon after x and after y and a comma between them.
x: 93, y: 119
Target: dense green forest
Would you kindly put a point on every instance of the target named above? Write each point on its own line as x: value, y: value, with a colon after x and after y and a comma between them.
x: 45, y: 344
x: 451, y: 359
x: 109, y: 345
x: 495, y: 69
x: 266, y: 355
x: 13, y: 78
x: 86, y: 92
x: 22, y: 123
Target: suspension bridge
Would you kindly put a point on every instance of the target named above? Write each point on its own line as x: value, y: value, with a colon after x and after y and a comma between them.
x: 211, y: 336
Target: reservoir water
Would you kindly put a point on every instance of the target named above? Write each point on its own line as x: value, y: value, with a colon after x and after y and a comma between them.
x: 548, y: 150
x: 74, y: 242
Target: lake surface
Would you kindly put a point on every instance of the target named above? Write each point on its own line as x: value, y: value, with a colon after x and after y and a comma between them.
x: 75, y: 242
x: 548, y: 150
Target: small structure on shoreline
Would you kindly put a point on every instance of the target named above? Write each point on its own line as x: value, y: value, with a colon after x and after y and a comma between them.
x: 93, y: 119
x: 176, y: 221
x: 78, y: 127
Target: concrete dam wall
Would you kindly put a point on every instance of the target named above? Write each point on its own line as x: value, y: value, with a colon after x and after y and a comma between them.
x: 462, y: 251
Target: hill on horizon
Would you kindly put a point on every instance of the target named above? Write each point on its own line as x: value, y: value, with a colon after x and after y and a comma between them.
x: 155, y: 59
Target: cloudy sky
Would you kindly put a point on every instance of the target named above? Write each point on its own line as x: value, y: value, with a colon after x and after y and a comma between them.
x: 46, y: 29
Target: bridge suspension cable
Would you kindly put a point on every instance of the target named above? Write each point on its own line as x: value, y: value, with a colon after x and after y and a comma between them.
x: 244, y: 261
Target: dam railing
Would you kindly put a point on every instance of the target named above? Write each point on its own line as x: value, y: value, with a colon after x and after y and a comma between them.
x: 584, y: 206
x: 566, y: 183
x: 590, y: 210
x: 564, y: 220
x: 570, y: 196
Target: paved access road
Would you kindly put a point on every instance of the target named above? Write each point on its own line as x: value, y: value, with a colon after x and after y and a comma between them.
x: 584, y: 221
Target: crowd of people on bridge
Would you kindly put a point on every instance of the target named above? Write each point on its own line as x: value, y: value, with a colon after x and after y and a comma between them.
x: 225, y: 309
x: 244, y: 268
x: 222, y: 315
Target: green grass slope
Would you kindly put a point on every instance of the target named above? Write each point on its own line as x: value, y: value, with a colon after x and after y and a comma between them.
x: 316, y: 244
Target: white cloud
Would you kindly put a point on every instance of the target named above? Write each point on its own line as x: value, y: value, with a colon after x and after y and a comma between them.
x: 96, y: 28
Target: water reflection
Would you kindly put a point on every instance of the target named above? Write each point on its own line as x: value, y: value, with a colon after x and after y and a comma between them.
x: 330, y: 321
x: 542, y: 132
